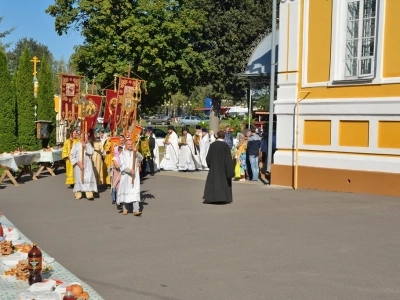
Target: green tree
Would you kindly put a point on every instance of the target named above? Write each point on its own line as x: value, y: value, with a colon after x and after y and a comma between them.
x: 25, y: 103
x: 35, y: 49
x: 157, y: 38
x: 199, y: 94
x: 3, y: 34
x: 60, y: 66
x: 45, y: 101
x: 228, y: 35
x: 7, y: 112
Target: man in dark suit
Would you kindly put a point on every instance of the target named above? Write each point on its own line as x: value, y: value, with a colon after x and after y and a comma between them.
x: 152, y: 145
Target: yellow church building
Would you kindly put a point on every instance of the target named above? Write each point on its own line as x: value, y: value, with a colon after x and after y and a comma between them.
x: 338, y: 99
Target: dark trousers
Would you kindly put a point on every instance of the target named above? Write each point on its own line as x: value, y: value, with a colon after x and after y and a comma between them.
x: 150, y: 161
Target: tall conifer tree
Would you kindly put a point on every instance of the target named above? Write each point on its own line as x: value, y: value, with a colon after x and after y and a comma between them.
x: 45, y: 101
x: 7, y: 108
x: 25, y: 103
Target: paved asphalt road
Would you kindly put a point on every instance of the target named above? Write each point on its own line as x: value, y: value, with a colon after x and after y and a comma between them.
x: 271, y: 243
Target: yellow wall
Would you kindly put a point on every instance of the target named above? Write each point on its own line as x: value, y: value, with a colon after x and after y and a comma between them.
x: 317, y: 132
x: 320, y: 25
x: 354, y: 133
x: 389, y: 134
x: 391, y: 55
x: 361, y: 91
x: 319, y: 40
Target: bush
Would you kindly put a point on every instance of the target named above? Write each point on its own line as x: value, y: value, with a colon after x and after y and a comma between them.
x: 7, y: 112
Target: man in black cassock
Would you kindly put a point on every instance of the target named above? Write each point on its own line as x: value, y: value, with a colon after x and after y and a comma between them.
x: 218, y: 189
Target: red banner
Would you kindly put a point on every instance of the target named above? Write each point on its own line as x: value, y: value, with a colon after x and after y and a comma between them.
x: 92, y: 109
x: 112, y: 110
x: 129, y: 93
x: 70, y: 92
x: 110, y: 94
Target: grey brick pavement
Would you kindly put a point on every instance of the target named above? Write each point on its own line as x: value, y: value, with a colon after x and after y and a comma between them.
x: 271, y: 243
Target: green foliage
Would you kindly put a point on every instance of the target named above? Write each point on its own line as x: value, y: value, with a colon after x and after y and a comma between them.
x: 45, y: 101
x: 35, y: 49
x: 262, y: 102
x: 7, y: 111
x: 235, y: 123
x: 25, y: 103
x: 203, y: 124
x: 231, y: 29
x: 199, y: 94
x: 60, y: 67
x: 4, y: 34
x: 158, y: 39
x: 246, y: 120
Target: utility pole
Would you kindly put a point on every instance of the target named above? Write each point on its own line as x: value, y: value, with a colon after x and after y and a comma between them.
x: 271, y: 91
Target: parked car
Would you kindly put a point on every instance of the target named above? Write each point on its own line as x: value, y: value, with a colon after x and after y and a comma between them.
x: 159, y: 120
x: 205, y: 119
x: 189, y: 120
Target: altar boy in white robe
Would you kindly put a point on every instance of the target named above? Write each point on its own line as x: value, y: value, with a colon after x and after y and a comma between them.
x: 204, y: 145
x: 186, y: 152
x: 171, y: 148
x: 88, y: 184
x: 128, y: 191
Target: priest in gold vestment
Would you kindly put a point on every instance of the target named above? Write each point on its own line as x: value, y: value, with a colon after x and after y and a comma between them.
x: 108, y: 155
x: 66, y: 150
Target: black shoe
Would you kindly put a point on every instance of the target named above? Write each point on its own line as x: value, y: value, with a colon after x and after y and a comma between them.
x: 113, y: 202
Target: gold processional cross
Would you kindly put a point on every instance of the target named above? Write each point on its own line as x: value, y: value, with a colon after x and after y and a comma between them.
x: 35, y: 60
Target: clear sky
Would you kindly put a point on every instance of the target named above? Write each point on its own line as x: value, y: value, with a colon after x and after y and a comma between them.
x: 30, y: 20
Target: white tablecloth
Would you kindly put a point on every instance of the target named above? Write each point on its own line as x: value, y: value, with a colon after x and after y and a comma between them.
x: 13, y: 161
x: 50, y: 156
x: 10, y: 288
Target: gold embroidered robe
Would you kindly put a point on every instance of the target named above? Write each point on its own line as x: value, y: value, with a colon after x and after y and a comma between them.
x: 108, y: 151
x: 69, y: 169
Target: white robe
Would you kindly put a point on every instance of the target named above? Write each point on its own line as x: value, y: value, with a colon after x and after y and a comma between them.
x: 212, y: 138
x: 156, y: 159
x: 186, y: 155
x: 204, y: 146
x: 170, y: 159
x: 128, y: 192
x: 89, y: 184
x: 196, y: 154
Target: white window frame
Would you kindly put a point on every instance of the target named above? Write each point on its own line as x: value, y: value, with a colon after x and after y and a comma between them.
x: 338, y: 50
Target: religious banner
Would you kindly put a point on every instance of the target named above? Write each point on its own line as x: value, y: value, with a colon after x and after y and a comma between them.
x: 112, y: 110
x: 135, y: 133
x: 70, y: 92
x: 91, y: 110
x: 129, y: 93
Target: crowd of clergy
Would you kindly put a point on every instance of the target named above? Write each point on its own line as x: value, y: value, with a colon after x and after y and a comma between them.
x: 93, y: 159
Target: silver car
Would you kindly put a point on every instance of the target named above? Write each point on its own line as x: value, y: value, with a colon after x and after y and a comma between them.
x: 189, y: 120
x: 164, y: 120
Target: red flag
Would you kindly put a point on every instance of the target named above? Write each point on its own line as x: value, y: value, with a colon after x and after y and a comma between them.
x: 92, y: 110
x: 70, y: 89
x: 128, y: 95
x: 112, y: 112
x: 109, y: 108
